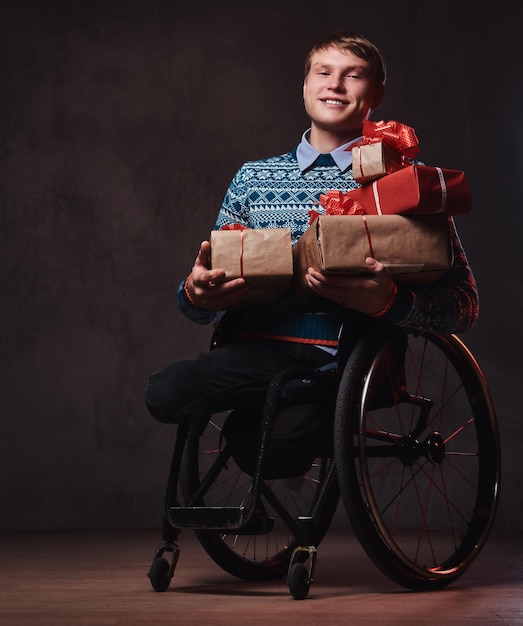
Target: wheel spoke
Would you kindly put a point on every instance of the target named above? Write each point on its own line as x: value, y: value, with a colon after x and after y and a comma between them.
x: 210, y: 477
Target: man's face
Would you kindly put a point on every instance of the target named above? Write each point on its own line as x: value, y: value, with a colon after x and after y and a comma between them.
x: 339, y: 92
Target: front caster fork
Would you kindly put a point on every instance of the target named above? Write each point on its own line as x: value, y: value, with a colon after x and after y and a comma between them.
x: 163, y: 566
x: 301, y: 571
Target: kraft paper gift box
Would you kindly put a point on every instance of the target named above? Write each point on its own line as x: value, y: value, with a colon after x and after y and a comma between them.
x: 262, y: 257
x: 416, y: 249
x: 416, y: 189
x: 374, y: 160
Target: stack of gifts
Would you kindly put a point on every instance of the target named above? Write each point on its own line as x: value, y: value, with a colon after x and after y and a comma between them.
x: 382, y: 163
x: 399, y: 215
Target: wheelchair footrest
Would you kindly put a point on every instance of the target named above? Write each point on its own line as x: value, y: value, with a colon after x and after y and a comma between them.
x: 203, y: 517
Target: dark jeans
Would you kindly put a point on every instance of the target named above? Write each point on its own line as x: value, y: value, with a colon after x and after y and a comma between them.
x: 234, y: 375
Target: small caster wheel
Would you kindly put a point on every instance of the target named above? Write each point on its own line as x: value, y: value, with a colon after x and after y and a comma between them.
x: 298, y: 580
x: 160, y: 574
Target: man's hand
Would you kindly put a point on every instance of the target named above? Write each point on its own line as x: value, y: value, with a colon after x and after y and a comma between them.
x: 367, y: 293
x: 206, y: 287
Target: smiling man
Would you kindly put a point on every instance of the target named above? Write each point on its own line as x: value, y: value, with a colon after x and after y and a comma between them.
x: 344, y: 82
x: 339, y: 92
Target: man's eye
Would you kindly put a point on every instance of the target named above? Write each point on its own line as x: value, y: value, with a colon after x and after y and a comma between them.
x: 353, y: 76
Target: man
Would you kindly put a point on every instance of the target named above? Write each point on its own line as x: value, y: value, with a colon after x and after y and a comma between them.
x: 344, y: 82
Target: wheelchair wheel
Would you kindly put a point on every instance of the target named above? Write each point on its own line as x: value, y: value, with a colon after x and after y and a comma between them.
x: 298, y: 580
x: 417, y: 452
x: 263, y: 551
x: 159, y: 574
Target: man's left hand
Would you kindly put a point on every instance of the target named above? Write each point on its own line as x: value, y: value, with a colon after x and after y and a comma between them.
x: 367, y: 293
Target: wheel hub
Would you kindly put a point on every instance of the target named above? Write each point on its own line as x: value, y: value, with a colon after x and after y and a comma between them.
x: 435, y: 448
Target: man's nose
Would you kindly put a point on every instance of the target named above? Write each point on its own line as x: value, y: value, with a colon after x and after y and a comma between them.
x: 336, y: 81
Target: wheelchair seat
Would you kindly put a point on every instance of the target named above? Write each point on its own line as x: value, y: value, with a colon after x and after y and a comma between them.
x: 301, y: 427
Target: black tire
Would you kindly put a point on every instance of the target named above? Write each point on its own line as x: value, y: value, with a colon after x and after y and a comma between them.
x: 298, y: 581
x: 419, y: 479
x: 259, y: 555
x: 159, y: 574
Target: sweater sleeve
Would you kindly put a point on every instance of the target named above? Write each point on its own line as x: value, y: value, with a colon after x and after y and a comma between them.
x: 194, y: 313
x: 235, y: 205
x: 233, y: 210
x: 449, y: 305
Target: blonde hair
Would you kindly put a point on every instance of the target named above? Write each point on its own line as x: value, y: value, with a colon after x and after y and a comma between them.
x: 358, y: 45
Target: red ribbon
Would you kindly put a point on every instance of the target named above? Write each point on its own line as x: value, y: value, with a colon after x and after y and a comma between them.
x: 241, y: 228
x: 396, y: 135
x: 313, y: 215
x: 233, y: 227
x: 369, y: 240
x: 336, y: 202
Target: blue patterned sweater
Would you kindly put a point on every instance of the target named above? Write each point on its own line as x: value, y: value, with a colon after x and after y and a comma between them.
x: 274, y: 193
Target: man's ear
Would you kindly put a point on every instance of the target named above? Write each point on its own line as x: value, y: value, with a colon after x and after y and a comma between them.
x: 379, y: 93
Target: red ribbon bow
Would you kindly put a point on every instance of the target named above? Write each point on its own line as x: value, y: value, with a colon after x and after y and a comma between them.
x: 396, y: 135
x: 336, y: 202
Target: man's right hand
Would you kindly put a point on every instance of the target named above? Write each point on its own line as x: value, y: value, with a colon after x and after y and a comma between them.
x: 207, y: 288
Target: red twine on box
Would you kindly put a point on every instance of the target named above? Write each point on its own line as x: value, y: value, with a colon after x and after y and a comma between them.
x: 367, y: 231
x: 394, y: 292
x: 313, y: 215
x: 241, y: 228
x: 233, y: 227
x: 396, y: 135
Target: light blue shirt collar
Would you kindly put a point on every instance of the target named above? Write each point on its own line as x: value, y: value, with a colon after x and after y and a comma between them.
x: 306, y: 154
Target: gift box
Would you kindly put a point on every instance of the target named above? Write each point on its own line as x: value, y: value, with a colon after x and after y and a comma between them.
x: 417, y: 249
x: 262, y: 257
x: 384, y: 148
x: 415, y: 189
x: 374, y: 160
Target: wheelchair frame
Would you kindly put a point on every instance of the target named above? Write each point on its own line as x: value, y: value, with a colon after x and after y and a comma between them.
x: 418, y: 471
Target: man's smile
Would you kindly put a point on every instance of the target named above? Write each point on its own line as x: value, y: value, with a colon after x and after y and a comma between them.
x: 332, y: 101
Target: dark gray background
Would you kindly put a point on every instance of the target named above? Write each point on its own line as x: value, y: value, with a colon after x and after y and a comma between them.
x: 122, y: 125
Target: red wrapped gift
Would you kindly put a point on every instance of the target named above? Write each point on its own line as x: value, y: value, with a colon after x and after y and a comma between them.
x: 415, y: 189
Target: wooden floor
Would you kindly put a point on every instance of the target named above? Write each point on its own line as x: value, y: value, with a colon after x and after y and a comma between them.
x: 99, y: 579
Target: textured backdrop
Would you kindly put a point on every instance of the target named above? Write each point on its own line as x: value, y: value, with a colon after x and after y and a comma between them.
x: 122, y: 124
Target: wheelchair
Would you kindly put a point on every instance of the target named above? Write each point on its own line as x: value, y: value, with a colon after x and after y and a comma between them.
x: 409, y: 442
